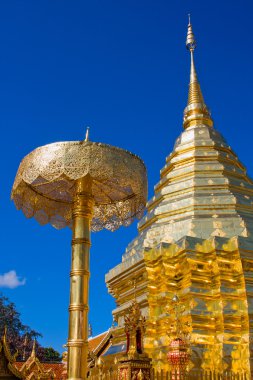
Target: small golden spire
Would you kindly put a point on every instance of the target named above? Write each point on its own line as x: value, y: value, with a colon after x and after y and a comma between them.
x: 100, y: 362
x: 89, y: 330
x: 196, y: 110
x: 195, y: 95
x: 33, y: 353
x: 5, y: 333
x: 87, y: 134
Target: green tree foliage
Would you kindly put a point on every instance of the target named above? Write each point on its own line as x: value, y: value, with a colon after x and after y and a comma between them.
x: 20, y: 337
x: 51, y: 355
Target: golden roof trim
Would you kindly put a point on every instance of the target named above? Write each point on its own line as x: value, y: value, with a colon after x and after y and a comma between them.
x: 11, y: 359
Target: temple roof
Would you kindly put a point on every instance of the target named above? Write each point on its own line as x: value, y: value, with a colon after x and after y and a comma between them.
x: 58, y: 369
x: 31, y: 369
x: 8, y: 369
x: 99, y: 342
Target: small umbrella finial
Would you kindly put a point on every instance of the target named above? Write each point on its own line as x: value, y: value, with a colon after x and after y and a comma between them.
x: 87, y: 134
x: 190, y: 39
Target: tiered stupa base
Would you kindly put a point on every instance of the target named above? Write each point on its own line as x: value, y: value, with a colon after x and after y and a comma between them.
x: 213, y: 280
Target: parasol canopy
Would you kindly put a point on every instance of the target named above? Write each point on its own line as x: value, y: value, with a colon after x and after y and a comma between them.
x: 45, y: 183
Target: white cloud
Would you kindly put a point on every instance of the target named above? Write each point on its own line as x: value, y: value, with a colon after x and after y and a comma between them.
x: 11, y: 280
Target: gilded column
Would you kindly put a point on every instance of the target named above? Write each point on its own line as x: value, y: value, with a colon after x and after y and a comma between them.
x: 79, y: 280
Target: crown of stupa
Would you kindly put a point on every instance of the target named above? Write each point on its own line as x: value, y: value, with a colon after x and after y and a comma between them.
x: 196, y: 111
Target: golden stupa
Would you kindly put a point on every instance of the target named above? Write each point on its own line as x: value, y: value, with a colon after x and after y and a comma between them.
x: 195, y: 243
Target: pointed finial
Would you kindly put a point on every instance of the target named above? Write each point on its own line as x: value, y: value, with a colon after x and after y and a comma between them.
x: 190, y: 39
x: 196, y: 112
x: 140, y: 375
x: 175, y: 298
x: 191, y: 46
x: 33, y: 353
x: 89, y: 331
x: 87, y: 134
x: 25, y: 345
x: 100, y: 362
x: 5, y: 333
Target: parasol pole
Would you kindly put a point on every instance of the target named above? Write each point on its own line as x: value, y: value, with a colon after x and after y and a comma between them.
x: 79, y: 280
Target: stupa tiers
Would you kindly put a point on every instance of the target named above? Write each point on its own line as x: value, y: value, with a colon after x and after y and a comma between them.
x: 196, y: 241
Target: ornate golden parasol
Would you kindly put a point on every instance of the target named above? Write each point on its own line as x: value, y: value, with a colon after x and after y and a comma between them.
x: 86, y: 186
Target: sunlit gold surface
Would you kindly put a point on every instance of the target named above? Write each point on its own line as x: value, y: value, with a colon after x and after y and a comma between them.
x: 196, y: 241
x: 87, y: 186
x: 196, y: 110
x: 134, y: 328
x: 135, y: 363
x: 44, y: 187
x: 79, y: 280
x: 209, y: 277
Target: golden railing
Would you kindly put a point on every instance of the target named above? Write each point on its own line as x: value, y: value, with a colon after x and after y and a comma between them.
x: 111, y: 374
x: 198, y: 375
x: 103, y: 374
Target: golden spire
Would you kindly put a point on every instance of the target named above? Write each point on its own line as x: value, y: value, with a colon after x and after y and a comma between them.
x: 196, y: 111
x: 5, y: 334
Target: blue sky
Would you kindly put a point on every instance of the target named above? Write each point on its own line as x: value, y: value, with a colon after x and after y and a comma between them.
x: 122, y: 68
